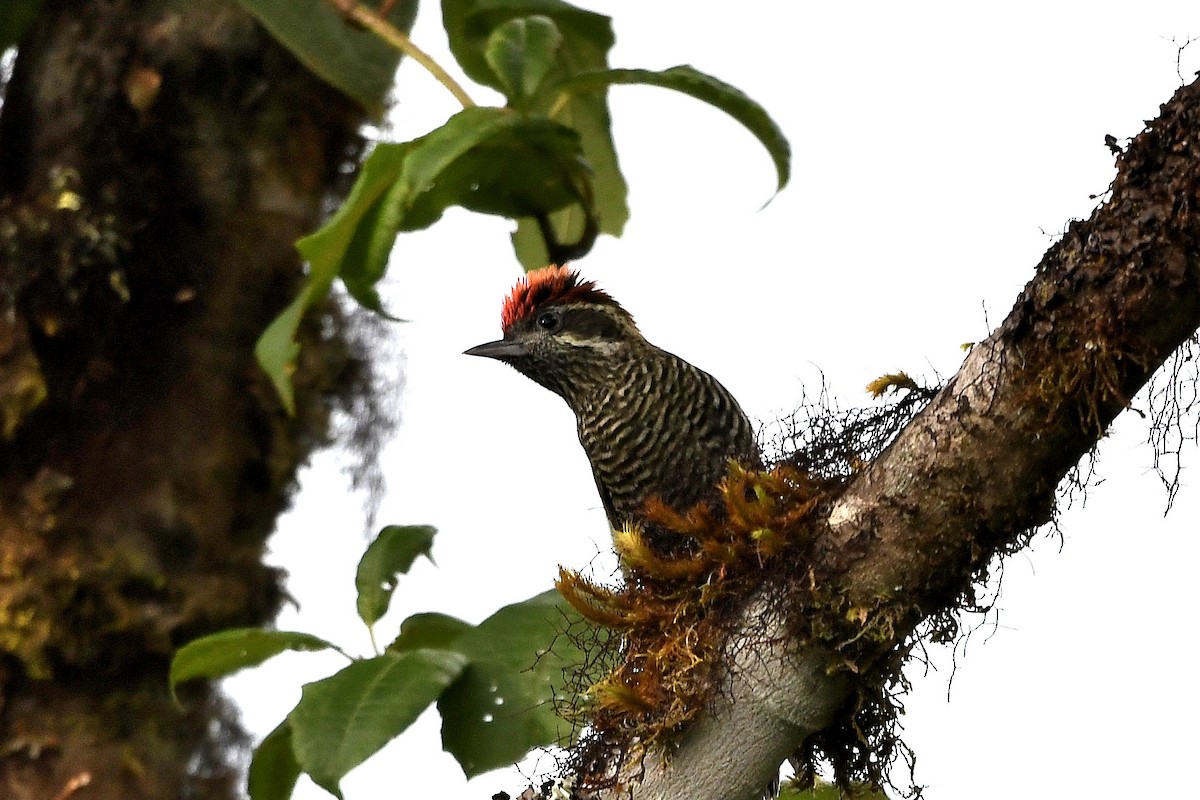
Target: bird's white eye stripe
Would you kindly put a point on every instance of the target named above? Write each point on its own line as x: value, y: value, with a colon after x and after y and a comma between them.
x: 599, y: 345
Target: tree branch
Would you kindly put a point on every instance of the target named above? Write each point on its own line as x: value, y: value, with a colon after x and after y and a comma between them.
x: 980, y: 465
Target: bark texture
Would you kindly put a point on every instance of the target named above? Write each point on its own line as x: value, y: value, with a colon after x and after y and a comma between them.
x: 980, y: 465
x: 157, y: 162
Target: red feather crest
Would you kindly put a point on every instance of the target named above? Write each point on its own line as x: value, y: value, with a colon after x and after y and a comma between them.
x: 553, y: 284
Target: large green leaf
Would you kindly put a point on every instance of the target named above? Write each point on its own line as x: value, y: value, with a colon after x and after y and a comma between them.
x: 489, y: 160
x: 502, y: 707
x: 355, y: 61
x: 486, y: 159
x: 226, y: 652
x: 273, y: 769
x: 493, y: 161
x: 526, y: 165
x: 390, y: 555
x: 713, y: 91
x: 16, y: 18
x: 346, y: 718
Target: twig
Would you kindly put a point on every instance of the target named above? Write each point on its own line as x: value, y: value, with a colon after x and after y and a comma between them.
x: 376, y: 24
x: 74, y: 785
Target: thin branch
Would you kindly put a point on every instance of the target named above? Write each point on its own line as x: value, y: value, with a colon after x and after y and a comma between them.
x: 80, y: 781
x: 973, y: 473
x: 378, y: 25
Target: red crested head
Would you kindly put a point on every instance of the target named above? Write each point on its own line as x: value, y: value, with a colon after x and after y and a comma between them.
x: 553, y: 285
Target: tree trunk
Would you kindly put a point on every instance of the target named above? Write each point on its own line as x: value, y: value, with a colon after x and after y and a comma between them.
x: 158, y: 161
x: 974, y: 472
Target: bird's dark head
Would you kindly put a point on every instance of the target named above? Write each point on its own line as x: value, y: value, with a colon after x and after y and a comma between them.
x: 562, y: 331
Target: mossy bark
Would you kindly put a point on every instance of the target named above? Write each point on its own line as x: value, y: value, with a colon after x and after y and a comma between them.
x: 967, y: 479
x: 157, y: 162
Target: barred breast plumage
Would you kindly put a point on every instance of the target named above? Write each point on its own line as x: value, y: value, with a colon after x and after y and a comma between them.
x: 651, y: 423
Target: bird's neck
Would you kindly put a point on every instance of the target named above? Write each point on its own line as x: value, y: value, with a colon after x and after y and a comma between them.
x: 610, y: 378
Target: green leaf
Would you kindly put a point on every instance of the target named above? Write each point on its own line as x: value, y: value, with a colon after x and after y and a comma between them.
x: 485, y: 159
x: 521, y: 52
x: 276, y: 350
x: 524, y: 165
x: 348, y: 244
x: 365, y: 259
x: 502, y: 707
x: 17, y: 17
x: 324, y: 250
x: 529, y: 245
x: 226, y: 652
x: 703, y: 87
x: 587, y: 38
x: 430, y: 630
x: 469, y: 25
x: 273, y: 769
x: 346, y: 718
x: 354, y: 61
x: 390, y: 555
x: 588, y: 115
x: 488, y: 160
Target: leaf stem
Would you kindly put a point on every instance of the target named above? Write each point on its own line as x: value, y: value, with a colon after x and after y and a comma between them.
x: 560, y: 103
x: 337, y: 649
x: 378, y: 25
x: 371, y: 633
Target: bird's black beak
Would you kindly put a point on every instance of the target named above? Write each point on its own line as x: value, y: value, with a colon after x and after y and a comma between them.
x: 502, y: 349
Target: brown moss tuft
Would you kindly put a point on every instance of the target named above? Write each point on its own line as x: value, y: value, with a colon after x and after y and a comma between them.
x: 662, y: 635
x: 673, y: 611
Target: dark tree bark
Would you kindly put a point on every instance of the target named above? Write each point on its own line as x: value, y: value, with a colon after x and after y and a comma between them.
x: 975, y: 471
x: 157, y: 162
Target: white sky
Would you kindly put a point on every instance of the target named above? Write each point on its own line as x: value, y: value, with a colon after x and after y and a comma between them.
x: 937, y: 149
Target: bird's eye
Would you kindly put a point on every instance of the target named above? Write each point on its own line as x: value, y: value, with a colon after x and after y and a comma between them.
x: 549, y: 321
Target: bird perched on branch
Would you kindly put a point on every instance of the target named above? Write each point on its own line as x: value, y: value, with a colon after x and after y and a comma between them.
x: 652, y: 425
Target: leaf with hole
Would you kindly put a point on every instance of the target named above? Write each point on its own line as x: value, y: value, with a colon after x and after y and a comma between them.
x: 389, y: 556
x: 502, y: 706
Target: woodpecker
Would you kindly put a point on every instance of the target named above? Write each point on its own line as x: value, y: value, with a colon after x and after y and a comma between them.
x: 651, y: 423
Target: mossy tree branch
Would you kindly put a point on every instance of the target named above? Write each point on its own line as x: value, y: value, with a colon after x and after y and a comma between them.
x: 979, y: 467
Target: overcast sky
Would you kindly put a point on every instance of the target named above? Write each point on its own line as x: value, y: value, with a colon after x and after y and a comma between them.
x: 938, y: 149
